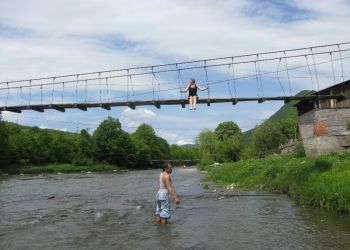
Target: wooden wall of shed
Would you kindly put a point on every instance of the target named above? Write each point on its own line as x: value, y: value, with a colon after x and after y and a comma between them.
x: 340, y: 89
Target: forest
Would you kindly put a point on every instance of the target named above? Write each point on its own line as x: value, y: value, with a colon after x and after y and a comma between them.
x: 110, y: 147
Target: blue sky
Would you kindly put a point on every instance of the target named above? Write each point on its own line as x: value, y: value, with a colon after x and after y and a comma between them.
x: 54, y: 38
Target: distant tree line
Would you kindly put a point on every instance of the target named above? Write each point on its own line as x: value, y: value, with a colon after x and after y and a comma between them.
x: 109, y: 144
x: 227, y: 143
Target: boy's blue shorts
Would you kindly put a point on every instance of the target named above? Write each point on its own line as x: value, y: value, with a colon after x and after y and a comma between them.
x: 163, y: 208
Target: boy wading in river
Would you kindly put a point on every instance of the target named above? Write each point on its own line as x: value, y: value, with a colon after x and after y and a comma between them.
x: 163, y: 202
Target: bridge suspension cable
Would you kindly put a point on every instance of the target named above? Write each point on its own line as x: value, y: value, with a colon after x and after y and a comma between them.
x: 171, y: 70
x: 190, y: 62
x: 96, y: 84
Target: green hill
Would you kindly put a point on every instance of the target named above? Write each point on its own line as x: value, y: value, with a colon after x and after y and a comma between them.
x: 286, y: 110
x: 189, y: 146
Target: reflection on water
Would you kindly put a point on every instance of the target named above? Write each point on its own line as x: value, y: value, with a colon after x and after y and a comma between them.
x: 117, y: 211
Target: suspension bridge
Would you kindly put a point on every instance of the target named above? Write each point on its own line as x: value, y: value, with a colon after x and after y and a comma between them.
x: 260, y: 77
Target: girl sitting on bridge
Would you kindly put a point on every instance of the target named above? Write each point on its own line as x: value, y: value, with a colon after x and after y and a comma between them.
x: 192, y: 96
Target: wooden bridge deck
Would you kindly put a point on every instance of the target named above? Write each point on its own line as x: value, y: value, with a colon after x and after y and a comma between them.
x: 159, y: 103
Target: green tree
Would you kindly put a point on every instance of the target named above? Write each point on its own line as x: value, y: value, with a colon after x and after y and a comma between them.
x: 113, y: 145
x: 86, y: 143
x: 25, y: 147
x: 226, y: 130
x: 207, y: 141
x: 231, y: 141
x: 4, y: 144
x: 289, y: 127
x: 175, y: 152
x: 85, y: 149
x: 61, y: 148
x: 44, y: 138
x: 186, y: 153
x: 230, y: 148
x: 190, y: 153
x: 267, y: 138
x: 143, y: 159
x: 163, y: 148
x: 159, y: 148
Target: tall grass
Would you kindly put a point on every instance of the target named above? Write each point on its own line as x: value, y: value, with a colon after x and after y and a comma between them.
x: 323, y: 181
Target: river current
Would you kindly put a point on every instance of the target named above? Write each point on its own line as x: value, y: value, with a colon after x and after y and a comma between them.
x: 116, y: 210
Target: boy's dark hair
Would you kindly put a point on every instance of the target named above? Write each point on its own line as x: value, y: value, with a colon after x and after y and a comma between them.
x: 165, y: 165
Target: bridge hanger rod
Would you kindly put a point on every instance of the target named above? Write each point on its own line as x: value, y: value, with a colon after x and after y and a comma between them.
x: 172, y: 64
x: 172, y: 70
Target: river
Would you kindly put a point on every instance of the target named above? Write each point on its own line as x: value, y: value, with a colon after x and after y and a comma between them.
x: 116, y: 210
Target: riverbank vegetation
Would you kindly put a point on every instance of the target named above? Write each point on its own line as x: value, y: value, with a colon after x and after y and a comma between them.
x: 57, y: 168
x: 323, y: 181
x: 33, y: 150
x: 253, y: 160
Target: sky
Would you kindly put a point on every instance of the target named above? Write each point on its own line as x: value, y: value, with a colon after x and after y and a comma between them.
x: 49, y: 39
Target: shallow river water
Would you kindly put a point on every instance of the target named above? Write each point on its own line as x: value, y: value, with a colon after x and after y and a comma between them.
x: 117, y: 211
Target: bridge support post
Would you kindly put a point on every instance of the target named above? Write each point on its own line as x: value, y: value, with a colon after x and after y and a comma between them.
x: 58, y: 108
x: 81, y: 107
x: 183, y: 103
x: 261, y: 100
x: 155, y: 103
x: 12, y: 110
x: 36, y: 109
x: 105, y: 106
x: 131, y: 105
x: 287, y: 100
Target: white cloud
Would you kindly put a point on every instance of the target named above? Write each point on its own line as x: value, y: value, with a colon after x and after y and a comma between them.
x: 61, y: 129
x: 182, y: 142
x: 134, y: 118
x: 41, y: 38
x: 169, y: 136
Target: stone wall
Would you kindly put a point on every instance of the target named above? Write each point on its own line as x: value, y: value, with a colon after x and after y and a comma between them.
x: 324, y: 145
x: 324, y: 131
x: 288, y: 148
x: 323, y: 122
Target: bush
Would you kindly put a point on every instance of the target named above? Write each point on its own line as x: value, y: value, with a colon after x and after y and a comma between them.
x: 322, y: 181
x: 271, y: 173
x: 82, y: 161
x: 299, y: 150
